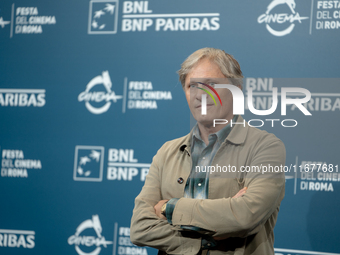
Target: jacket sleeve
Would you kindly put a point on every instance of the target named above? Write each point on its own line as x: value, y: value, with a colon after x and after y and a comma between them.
x: 147, y: 229
x: 246, y: 215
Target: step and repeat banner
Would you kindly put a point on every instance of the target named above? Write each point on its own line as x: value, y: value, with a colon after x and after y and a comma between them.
x: 89, y: 92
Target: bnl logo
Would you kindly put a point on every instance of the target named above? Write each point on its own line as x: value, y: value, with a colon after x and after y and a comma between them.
x: 103, y: 17
x: 88, y: 163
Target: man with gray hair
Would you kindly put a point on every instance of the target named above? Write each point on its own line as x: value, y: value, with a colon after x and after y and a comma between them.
x: 184, y: 208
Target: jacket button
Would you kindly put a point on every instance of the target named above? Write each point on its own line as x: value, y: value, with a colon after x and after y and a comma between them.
x: 180, y: 180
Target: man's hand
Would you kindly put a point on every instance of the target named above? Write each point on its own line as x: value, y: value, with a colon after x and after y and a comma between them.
x: 158, y: 206
x: 158, y: 209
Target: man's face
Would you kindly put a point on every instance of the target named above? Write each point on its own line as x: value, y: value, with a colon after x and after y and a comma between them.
x: 209, y: 73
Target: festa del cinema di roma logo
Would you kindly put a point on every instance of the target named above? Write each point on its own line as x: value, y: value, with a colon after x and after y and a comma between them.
x: 280, y: 18
x: 94, y: 99
x: 238, y: 101
x: 77, y: 239
x: 99, y: 96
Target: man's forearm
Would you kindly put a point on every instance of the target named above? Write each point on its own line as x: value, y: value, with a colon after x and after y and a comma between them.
x: 228, y: 217
x: 147, y: 229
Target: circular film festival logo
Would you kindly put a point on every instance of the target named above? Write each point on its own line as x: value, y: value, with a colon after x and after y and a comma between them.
x: 280, y: 18
x: 94, y: 99
x: 89, y: 241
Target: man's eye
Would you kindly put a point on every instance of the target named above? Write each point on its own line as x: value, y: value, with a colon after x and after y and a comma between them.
x: 212, y: 84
